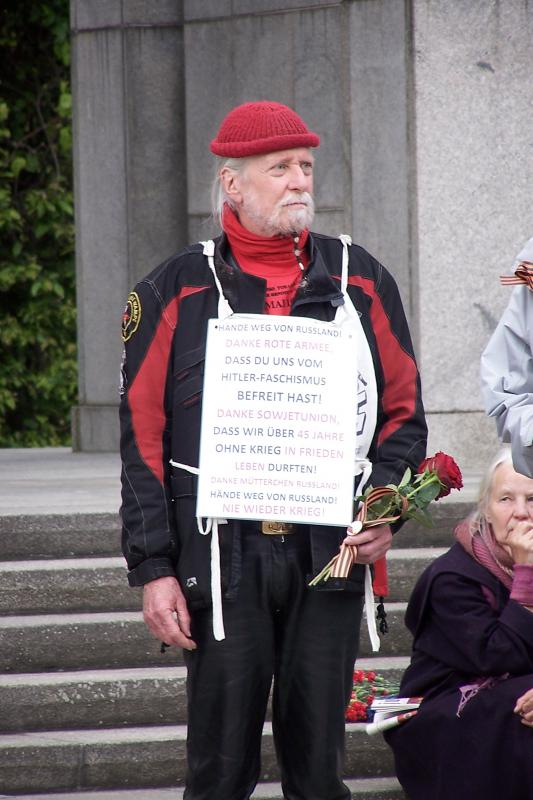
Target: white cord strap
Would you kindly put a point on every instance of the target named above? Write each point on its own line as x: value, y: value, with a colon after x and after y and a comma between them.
x: 211, y: 526
x: 363, y: 467
x: 370, y: 612
x: 186, y: 467
x: 346, y: 242
x: 224, y: 308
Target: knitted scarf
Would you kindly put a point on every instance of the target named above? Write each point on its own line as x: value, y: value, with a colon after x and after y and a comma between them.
x: 476, y: 537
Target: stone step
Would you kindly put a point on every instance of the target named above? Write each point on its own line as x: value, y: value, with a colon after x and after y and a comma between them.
x: 92, y: 699
x: 100, y: 584
x: 113, y: 698
x: 404, y: 567
x: 27, y: 536
x: 76, y: 535
x: 361, y: 789
x: 445, y: 514
x: 397, y: 642
x: 138, y: 757
x: 50, y: 642
x: 70, y: 584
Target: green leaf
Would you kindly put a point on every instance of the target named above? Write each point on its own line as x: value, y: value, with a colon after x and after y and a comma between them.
x: 37, y: 278
x: 32, y: 163
x: 65, y: 140
x: 385, y: 507
x: 17, y: 165
x: 64, y: 106
x: 406, y: 478
x: 427, y: 493
x: 421, y: 516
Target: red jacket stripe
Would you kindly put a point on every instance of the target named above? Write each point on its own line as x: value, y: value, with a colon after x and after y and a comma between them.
x: 147, y: 391
x: 399, y: 395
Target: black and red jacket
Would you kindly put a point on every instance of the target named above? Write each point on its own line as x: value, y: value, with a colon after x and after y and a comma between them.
x: 161, y: 401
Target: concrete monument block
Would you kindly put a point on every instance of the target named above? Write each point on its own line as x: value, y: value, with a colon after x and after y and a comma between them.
x: 470, y: 437
x: 156, y: 165
x: 101, y: 211
x: 472, y: 73
x: 279, y: 47
x: 382, y: 157
x: 319, y: 84
x: 276, y: 6
x: 130, y: 182
x: 95, y: 427
x: 425, y: 160
x: 195, y: 10
x: 95, y: 14
x: 148, y: 14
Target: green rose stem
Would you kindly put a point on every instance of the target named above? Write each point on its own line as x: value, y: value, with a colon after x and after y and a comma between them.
x: 340, y: 565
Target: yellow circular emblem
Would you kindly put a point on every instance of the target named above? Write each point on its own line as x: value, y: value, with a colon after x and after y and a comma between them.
x: 131, y: 316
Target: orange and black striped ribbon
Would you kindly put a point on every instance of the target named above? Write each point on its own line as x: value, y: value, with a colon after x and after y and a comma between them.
x: 343, y: 562
x: 523, y: 274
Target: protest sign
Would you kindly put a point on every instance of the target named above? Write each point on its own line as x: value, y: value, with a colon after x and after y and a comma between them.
x: 278, y: 420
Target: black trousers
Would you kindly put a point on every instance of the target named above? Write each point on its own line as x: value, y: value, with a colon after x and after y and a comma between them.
x: 303, y: 639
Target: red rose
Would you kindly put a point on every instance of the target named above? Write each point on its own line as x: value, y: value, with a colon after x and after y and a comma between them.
x: 447, y: 472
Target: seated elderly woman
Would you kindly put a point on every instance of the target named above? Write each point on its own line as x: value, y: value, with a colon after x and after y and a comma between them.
x: 471, y: 614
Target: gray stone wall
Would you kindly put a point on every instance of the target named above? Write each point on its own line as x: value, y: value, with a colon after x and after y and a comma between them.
x: 425, y: 159
x: 296, y: 57
x: 472, y: 80
x: 344, y: 67
x: 130, y: 180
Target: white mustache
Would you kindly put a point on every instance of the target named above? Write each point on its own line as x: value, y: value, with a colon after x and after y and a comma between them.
x: 303, y: 198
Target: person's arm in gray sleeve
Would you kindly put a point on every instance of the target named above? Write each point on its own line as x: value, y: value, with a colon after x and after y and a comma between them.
x: 507, y: 378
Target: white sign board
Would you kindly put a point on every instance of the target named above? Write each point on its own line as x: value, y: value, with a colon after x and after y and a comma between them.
x: 278, y: 420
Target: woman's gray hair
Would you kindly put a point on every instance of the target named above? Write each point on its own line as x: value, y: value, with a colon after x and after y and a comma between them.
x: 218, y: 194
x: 503, y: 456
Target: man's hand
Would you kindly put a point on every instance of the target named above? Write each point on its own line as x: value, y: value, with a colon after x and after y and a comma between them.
x: 166, y: 614
x: 371, y: 544
x: 524, y: 707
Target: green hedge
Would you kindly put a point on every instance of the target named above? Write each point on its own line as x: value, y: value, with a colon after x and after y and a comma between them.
x: 38, y: 368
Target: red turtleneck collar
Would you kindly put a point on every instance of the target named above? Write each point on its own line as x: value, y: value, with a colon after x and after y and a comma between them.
x: 277, y: 259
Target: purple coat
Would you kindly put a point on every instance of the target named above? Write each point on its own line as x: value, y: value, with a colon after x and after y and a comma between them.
x: 465, y: 627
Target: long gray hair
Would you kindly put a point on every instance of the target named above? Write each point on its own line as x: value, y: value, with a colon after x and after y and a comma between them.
x: 218, y: 193
x: 503, y: 456
x: 475, y: 533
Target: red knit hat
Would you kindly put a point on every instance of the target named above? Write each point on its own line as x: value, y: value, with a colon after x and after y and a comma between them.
x: 263, y: 127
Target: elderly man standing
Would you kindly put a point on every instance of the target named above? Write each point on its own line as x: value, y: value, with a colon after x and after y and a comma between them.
x: 276, y: 628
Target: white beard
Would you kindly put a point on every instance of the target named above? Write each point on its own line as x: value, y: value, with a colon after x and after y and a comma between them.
x: 284, y: 220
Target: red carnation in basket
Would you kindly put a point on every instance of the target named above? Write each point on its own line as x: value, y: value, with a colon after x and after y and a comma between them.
x: 366, y: 686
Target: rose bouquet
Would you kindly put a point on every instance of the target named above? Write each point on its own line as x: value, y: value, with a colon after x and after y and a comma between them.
x: 383, y: 505
x: 366, y: 686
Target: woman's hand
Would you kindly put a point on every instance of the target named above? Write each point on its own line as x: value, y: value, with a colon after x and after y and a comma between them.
x: 524, y: 707
x: 520, y: 542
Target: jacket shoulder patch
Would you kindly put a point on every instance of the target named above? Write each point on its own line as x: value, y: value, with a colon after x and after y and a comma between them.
x: 131, y: 316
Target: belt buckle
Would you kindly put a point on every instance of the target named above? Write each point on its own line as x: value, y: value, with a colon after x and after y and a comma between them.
x: 275, y: 528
